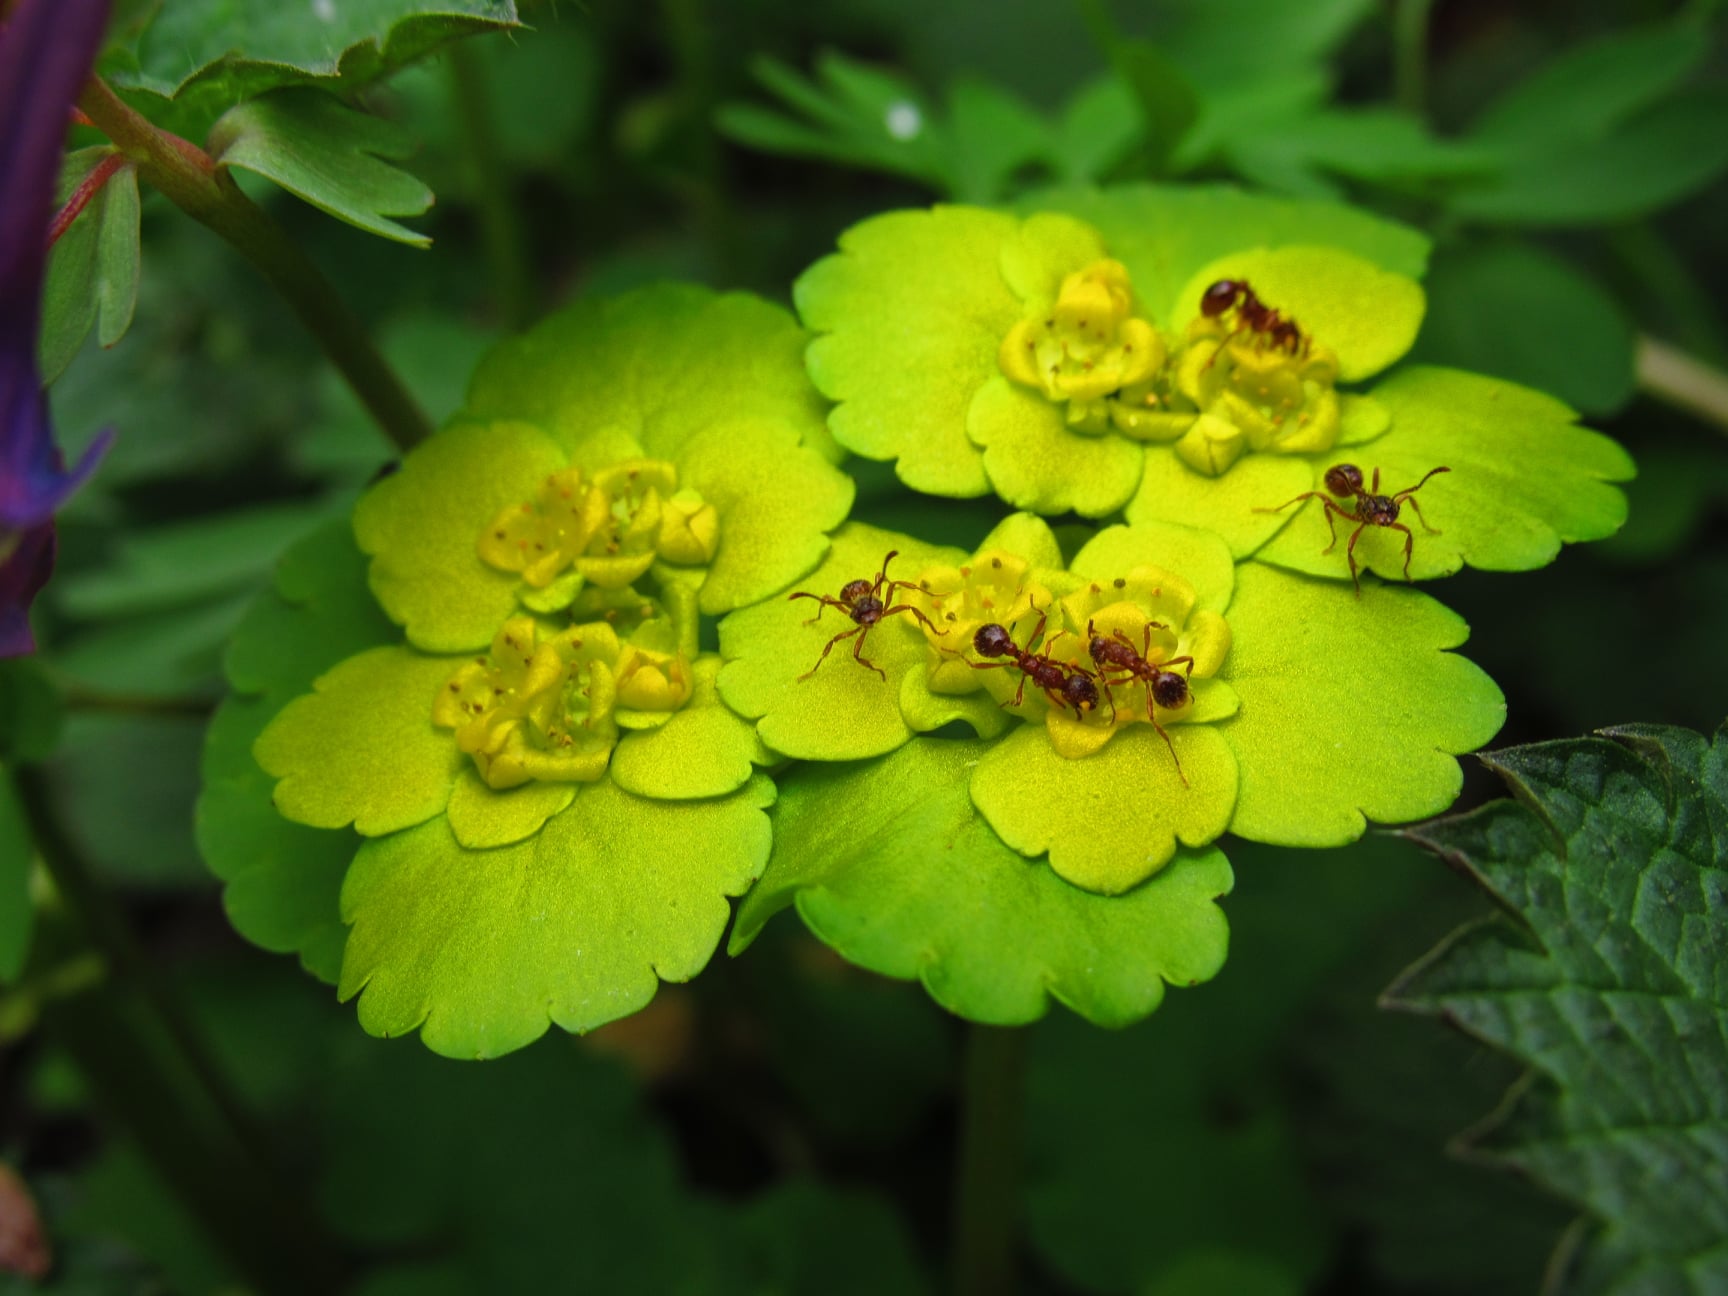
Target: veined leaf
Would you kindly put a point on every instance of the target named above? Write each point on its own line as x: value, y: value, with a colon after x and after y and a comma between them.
x: 93, y: 268
x: 1609, y: 978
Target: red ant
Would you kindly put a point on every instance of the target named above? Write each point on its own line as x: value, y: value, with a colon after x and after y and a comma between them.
x: 1253, y: 315
x: 862, y: 601
x: 1164, y: 687
x: 1371, y: 509
x: 1063, y: 684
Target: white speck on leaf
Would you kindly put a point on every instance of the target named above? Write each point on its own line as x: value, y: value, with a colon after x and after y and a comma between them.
x: 324, y: 10
x: 903, y: 120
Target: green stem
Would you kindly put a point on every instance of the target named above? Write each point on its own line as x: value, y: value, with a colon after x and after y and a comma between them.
x: 193, y: 182
x: 500, y: 229
x: 145, y: 1058
x: 1410, y: 54
x: 987, y: 1197
x: 1676, y: 378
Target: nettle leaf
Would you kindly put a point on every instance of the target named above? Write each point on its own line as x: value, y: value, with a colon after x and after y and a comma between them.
x: 282, y: 879
x: 17, y: 857
x: 482, y: 950
x: 1524, y: 479
x: 1524, y: 313
x: 1607, y: 978
x: 911, y: 882
x: 322, y: 151
x: 92, y: 279
x: 187, y: 51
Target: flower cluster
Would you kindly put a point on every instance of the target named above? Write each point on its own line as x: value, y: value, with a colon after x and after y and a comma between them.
x: 1001, y: 768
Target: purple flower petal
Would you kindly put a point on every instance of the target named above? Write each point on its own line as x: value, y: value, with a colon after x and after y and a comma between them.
x: 23, y: 572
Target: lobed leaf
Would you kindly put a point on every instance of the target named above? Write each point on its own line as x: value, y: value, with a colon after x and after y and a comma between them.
x: 322, y: 151
x: 889, y: 863
x: 1608, y: 980
x: 1524, y: 479
x: 1351, y: 709
x: 483, y: 950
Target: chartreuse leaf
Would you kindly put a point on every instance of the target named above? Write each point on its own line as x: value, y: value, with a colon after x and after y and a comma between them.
x: 1524, y: 479
x: 843, y: 711
x: 1227, y: 505
x: 282, y: 879
x: 1367, y: 315
x: 483, y: 950
x: 17, y: 855
x: 889, y: 863
x: 1166, y: 234
x: 910, y: 315
x: 1351, y: 709
x: 92, y: 279
x: 321, y: 150
x: 423, y: 522
x: 1035, y: 463
x: 361, y: 748
x: 715, y: 384
x: 188, y: 51
x: 1608, y: 982
x: 704, y: 750
x: 1518, y: 311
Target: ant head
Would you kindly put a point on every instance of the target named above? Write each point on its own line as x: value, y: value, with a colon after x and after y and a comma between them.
x: 1221, y: 296
x: 852, y: 591
x: 992, y: 640
x: 1079, y: 692
x: 1344, y: 480
x: 1169, y: 690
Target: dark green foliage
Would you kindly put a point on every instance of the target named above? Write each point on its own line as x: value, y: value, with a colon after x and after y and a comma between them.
x: 1607, y: 980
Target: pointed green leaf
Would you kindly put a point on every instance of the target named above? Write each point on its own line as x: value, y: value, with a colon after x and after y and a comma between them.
x: 361, y: 748
x: 1608, y: 982
x: 92, y: 279
x: 212, y: 53
x: 321, y: 150
x: 1524, y: 479
x: 281, y: 879
x: 912, y: 883
x: 483, y: 950
x: 1351, y: 710
x: 843, y: 711
x: 17, y: 857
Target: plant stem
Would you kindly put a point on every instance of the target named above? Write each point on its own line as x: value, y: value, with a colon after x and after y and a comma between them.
x: 500, y: 230
x: 1410, y: 54
x: 987, y: 1197
x: 1676, y: 378
x: 193, y: 182
x: 143, y: 1059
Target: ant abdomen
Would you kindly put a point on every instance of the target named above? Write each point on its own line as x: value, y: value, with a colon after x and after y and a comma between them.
x: 1344, y: 480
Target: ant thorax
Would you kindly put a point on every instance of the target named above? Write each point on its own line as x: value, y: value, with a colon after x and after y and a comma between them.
x: 604, y: 528
x: 1087, y: 348
x: 545, y: 705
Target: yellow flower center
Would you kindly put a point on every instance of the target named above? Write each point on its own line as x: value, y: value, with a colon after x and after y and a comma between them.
x: 604, y: 528
x: 1086, y: 348
x: 545, y: 704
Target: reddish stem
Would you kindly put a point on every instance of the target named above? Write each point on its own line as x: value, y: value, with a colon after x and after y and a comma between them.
x: 88, y: 188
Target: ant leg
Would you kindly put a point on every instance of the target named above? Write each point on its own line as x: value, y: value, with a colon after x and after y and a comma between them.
x: 1287, y: 503
x: 1332, y: 527
x: 1409, y: 545
x: 917, y: 615
x: 822, y: 599
x: 1375, y: 488
x: 1350, y: 552
x: 858, y: 648
x: 1177, y: 661
x: 882, y: 576
x: 828, y: 648
x: 1410, y: 500
x: 1165, y: 735
x: 1020, y: 693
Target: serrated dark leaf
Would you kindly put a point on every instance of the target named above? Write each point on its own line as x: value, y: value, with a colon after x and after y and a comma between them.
x: 1608, y: 976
